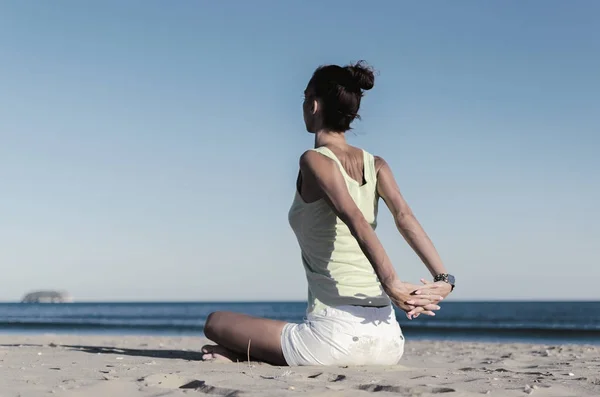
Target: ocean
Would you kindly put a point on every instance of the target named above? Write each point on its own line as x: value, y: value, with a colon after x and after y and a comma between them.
x: 534, y: 322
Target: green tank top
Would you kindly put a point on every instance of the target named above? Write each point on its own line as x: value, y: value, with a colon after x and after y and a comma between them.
x: 337, y: 271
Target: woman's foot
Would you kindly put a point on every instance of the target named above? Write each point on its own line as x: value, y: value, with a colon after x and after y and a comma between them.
x: 220, y: 353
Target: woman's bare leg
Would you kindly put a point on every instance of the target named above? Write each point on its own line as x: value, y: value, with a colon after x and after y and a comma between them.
x: 236, y: 332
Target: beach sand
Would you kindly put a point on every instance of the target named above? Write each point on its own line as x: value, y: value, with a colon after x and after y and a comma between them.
x: 112, y: 366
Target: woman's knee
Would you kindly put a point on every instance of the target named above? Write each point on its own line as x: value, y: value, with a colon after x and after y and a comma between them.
x: 211, y: 327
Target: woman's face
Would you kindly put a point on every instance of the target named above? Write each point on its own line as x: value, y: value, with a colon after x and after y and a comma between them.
x: 308, y: 110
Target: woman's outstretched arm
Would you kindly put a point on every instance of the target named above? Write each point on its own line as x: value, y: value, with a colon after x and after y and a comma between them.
x: 406, y: 222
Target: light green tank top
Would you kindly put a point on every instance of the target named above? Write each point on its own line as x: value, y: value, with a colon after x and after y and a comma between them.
x: 337, y: 271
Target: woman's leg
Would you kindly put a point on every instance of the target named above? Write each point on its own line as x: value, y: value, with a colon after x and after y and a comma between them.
x: 236, y: 332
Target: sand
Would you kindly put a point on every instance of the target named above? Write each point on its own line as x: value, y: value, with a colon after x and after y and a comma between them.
x: 91, y: 366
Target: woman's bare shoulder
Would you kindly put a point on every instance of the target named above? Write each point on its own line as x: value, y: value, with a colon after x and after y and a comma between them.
x: 380, y: 163
x: 312, y: 160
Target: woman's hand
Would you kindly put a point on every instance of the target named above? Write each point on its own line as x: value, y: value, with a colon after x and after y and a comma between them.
x: 440, y: 287
x: 415, y: 299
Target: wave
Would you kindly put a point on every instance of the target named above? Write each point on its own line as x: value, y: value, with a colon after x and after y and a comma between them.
x: 413, y: 328
x: 99, y: 326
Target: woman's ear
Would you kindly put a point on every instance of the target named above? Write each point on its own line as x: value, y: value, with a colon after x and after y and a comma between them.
x: 315, y: 106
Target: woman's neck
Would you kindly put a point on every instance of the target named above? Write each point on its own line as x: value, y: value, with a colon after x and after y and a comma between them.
x: 324, y: 138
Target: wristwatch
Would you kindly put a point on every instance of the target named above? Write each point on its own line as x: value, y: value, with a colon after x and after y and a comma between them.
x: 445, y: 277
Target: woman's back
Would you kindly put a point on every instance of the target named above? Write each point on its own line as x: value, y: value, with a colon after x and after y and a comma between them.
x: 337, y: 270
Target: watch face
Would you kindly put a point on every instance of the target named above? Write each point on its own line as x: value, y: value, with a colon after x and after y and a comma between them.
x: 451, y: 279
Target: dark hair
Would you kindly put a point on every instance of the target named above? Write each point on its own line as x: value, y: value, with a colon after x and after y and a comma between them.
x: 339, y: 91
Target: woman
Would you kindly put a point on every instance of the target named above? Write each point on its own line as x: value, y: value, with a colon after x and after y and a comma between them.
x: 351, y: 281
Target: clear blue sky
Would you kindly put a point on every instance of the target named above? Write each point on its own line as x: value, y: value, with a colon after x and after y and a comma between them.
x: 149, y: 149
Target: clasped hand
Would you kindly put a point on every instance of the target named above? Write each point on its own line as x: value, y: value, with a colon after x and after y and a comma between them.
x: 415, y: 300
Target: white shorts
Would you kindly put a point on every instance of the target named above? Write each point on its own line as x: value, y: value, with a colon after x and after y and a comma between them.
x: 345, y: 335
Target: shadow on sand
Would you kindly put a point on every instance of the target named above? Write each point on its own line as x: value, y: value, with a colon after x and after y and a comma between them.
x: 162, y: 353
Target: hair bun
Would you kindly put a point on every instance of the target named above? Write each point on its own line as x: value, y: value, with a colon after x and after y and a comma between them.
x: 362, y: 74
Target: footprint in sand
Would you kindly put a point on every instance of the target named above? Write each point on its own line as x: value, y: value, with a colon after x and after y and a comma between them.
x: 405, y: 390
x: 166, y: 381
x: 173, y: 381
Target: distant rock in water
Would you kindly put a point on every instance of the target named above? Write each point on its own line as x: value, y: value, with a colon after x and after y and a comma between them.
x: 46, y: 297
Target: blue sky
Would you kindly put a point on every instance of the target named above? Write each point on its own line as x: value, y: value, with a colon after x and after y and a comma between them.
x: 149, y: 149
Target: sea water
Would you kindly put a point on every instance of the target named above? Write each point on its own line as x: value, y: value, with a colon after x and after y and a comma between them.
x: 534, y: 322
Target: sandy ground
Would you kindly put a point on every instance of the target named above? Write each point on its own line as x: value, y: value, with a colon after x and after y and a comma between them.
x: 32, y: 366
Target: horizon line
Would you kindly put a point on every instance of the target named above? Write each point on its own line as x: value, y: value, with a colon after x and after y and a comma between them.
x: 503, y: 300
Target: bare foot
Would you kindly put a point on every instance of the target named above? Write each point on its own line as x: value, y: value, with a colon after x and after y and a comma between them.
x: 220, y: 353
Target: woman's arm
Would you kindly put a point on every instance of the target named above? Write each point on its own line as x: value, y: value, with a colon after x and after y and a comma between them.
x: 406, y: 222
x: 324, y: 173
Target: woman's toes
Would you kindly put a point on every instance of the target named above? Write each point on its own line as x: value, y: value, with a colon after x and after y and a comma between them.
x: 216, y: 352
x: 208, y: 351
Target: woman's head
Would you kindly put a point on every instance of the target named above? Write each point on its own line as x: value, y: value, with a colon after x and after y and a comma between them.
x: 332, y: 97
